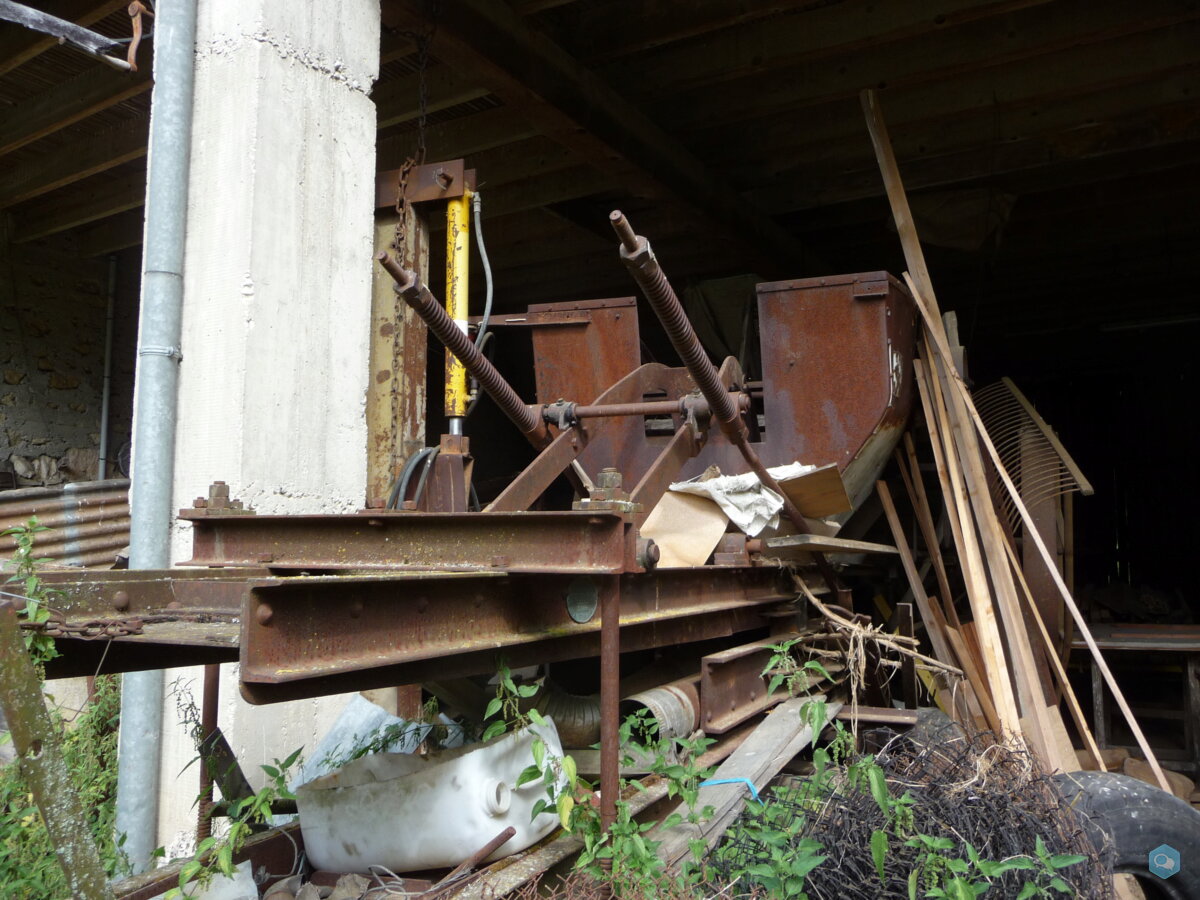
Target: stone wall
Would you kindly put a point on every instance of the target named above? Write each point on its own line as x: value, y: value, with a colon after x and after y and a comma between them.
x: 52, y: 324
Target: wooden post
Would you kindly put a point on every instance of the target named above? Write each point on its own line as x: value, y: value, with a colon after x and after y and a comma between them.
x: 39, y: 756
x: 396, y: 397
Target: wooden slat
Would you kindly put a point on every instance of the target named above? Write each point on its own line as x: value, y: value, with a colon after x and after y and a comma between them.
x: 73, y: 162
x: 110, y: 235
x: 819, y: 493
x: 995, y: 669
x: 931, y: 59
x: 935, y: 625
x: 90, y: 203
x: 780, y: 736
x: 456, y: 138
x: 1060, y: 673
x: 827, y: 544
x: 806, y: 39
x: 68, y: 102
x: 914, y: 483
x: 1017, y: 91
x: 1032, y: 534
x: 989, y: 162
x: 878, y: 715
x: 1087, y: 105
x: 398, y: 100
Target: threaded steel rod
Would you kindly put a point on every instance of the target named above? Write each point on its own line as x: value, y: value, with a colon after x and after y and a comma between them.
x: 491, y: 381
x: 642, y: 264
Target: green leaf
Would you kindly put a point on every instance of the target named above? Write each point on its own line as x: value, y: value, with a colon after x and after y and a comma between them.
x: 568, y: 764
x: 814, y: 666
x: 536, y: 718
x: 913, y: 876
x: 530, y: 773
x: 496, y: 728
x: 539, y: 752
x: 291, y: 760
x: 1061, y: 886
x: 1029, y: 890
x: 527, y: 690
x: 879, y: 851
x: 565, y: 804
x: 776, y: 681
x: 879, y: 791
x: 1062, y: 860
x: 493, y: 707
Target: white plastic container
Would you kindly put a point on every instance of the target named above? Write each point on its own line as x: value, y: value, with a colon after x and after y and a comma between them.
x: 240, y: 887
x: 410, y: 812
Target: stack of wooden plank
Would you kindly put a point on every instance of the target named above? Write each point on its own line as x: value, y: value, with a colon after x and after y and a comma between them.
x: 1005, y: 646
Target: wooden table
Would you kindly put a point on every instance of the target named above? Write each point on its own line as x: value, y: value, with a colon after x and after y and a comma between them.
x: 1152, y: 640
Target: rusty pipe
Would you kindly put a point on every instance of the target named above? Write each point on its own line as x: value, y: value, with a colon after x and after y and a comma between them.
x: 208, y: 725
x: 610, y: 701
x: 643, y: 265
x: 491, y: 381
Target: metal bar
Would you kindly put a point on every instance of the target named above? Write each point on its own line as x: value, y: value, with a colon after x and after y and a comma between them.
x: 208, y: 727
x: 610, y: 700
x: 732, y: 686
x: 491, y: 381
x: 684, y: 444
x: 577, y: 542
x: 408, y: 629
x: 525, y: 489
x: 680, y: 407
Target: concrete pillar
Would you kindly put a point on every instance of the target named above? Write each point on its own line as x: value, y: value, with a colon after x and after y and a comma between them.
x: 277, y: 306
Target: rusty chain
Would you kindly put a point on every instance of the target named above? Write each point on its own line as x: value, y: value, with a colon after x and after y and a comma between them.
x: 90, y: 630
x: 423, y: 41
x: 58, y: 627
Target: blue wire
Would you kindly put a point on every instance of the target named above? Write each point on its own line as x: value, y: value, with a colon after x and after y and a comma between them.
x: 746, y: 781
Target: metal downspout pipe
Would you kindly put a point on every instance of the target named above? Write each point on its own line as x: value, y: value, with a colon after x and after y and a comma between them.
x: 155, y: 402
x: 106, y: 393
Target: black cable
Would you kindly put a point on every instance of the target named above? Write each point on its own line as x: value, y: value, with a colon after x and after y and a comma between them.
x: 400, y: 488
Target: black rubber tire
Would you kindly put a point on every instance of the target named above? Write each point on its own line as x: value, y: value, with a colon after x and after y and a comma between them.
x: 1133, y: 818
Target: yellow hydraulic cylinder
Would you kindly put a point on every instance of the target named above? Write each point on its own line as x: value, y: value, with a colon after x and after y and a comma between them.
x: 458, y: 256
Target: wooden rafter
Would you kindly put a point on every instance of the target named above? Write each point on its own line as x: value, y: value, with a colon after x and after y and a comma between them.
x: 570, y: 104
x: 66, y: 103
x: 73, y: 162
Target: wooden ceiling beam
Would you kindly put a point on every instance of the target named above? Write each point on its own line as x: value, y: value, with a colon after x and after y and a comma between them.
x: 19, y: 45
x: 746, y: 39
x: 974, y: 127
x: 1043, y: 34
x: 464, y: 136
x: 96, y: 199
x: 112, y: 235
x: 1118, y: 143
x: 398, y: 100
x: 72, y: 162
x: 617, y: 29
x: 570, y: 104
x: 68, y: 102
x: 1018, y: 89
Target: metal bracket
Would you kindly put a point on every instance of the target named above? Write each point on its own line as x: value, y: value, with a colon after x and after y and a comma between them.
x: 439, y: 181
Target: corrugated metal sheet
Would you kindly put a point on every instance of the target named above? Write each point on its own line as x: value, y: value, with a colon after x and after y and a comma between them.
x: 90, y: 520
